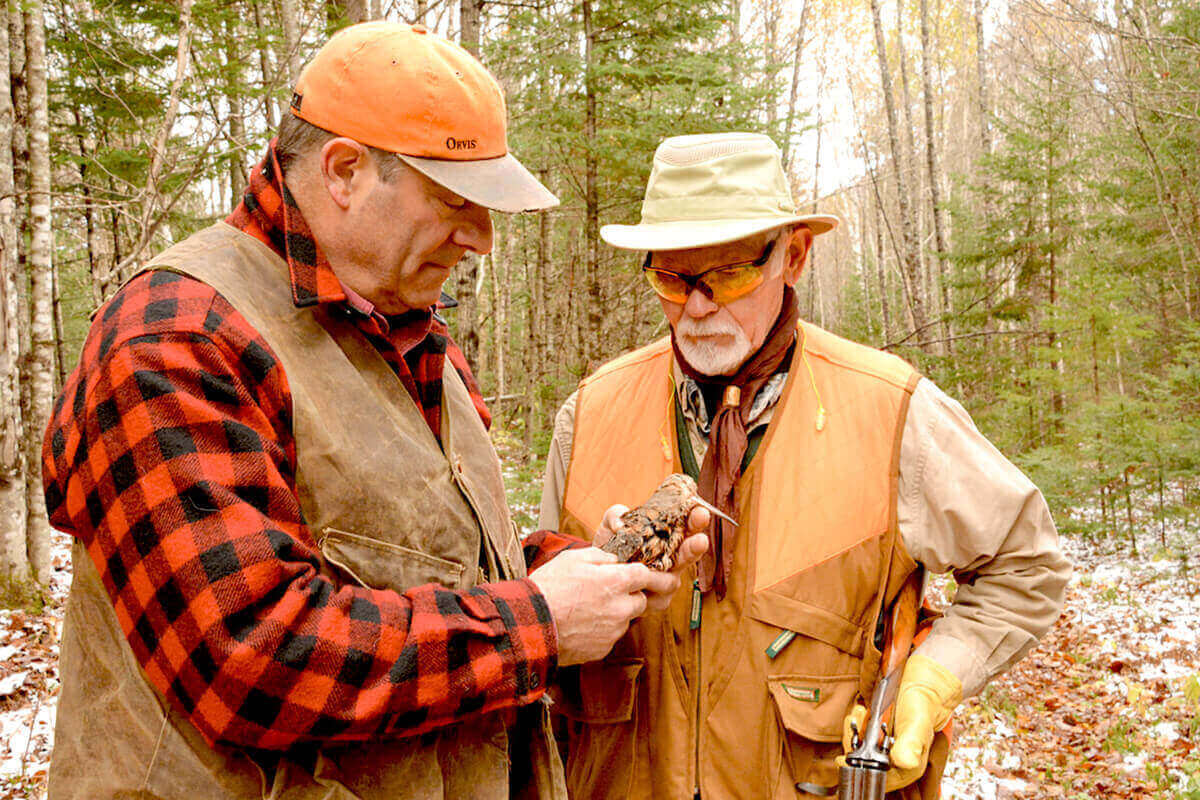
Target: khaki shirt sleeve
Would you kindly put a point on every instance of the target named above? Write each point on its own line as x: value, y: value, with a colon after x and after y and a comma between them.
x: 554, y: 485
x: 964, y: 507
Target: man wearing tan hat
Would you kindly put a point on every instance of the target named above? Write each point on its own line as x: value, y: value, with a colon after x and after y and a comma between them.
x: 846, y: 471
x: 295, y: 572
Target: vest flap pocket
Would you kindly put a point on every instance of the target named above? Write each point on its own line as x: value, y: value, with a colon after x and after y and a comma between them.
x: 382, y: 565
x: 809, y: 620
x: 599, y: 692
x: 813, y: 707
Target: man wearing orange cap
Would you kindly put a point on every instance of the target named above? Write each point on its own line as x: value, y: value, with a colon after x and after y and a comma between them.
x: 295, y: 571
x: 845, y: 471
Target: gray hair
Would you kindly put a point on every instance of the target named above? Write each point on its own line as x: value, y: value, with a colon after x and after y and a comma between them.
x: 298, y: 138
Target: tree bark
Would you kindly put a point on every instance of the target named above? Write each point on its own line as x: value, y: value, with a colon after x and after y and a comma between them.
x: 269, y: 77
x: 985, y: 128
x: 289, y: 20
x: 95, y: 255
x: 467, y: 272
x: 43, y: 337
x: 863, y: 274
x: 911, y: 265
x: 591, y: 195
x: 881, y: 274
x: 771, y: 14
x: 908, y: 167
x: 791, y: 115
x: 540, y: 319
x: 339, y: 13
x: 470, y: 17
x: 13, y: 512
x: 237, y: 120
x: 20, y: 160
x: 934, y: 191
x: 148, y: 223
x: 815, y: 294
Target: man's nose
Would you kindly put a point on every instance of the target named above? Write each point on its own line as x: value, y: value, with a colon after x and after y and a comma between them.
x: 698, y: 304
x: 474, y: 229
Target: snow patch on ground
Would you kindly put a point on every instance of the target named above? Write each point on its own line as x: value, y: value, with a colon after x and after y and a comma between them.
x: 1145, y: 615
x: 29, y: 683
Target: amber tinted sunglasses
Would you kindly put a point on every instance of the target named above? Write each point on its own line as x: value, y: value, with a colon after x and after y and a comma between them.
x: 719, y: 284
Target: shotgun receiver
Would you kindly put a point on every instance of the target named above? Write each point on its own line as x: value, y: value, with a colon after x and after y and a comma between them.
x: 864, y: 777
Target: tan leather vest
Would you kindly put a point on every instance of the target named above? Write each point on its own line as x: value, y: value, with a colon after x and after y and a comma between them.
x: 389, y: 509
x: 692, y: 699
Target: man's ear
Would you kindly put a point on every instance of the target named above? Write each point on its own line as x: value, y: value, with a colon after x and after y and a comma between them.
x: 797, y: 254
x: 344, y: 164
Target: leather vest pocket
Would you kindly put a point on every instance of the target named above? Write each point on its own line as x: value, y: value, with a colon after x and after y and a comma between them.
x: 810, y: 710
x: 377, y: 564
x: 599, y: 701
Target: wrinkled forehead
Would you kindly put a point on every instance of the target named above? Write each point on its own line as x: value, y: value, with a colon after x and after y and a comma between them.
x: 698, y: 259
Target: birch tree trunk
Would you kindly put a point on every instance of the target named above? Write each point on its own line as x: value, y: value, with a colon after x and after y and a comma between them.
x: 43, y: 337
x: 911, y: 265
x: 13, y: 513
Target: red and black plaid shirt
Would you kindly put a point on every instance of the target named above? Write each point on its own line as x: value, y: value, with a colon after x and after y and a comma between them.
x: 170, y: 455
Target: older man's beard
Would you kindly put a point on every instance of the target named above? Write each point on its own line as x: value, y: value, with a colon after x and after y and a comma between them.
x: 714, y: 345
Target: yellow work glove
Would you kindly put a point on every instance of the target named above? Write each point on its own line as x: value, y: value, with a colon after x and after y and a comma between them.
x: 928, y: 696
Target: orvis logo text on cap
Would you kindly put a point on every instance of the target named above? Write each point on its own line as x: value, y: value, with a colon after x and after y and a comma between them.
x: 459, y: 144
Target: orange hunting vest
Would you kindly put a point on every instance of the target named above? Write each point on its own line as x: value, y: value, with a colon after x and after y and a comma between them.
x: 744, y: 697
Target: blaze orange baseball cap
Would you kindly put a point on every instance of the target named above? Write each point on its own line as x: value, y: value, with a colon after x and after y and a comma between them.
x: 403, y: 89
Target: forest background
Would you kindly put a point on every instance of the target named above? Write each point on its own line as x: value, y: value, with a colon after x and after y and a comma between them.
x: 1017, y: 181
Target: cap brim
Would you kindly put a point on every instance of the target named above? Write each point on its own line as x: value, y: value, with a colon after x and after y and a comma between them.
x: 687, y: 234
x: 501, y: 184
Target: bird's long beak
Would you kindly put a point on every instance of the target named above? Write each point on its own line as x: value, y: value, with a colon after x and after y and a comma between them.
x: 700, y: 501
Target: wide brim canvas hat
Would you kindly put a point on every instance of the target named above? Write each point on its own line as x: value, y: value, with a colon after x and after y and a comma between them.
x: 420, y: 96
x: 710, y: 189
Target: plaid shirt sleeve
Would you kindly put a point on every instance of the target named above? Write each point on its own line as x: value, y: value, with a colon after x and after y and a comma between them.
x: 170, y: 456
x: 541, y: 546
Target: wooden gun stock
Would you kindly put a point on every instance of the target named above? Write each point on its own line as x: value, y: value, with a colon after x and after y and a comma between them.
x: 865, y: 775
